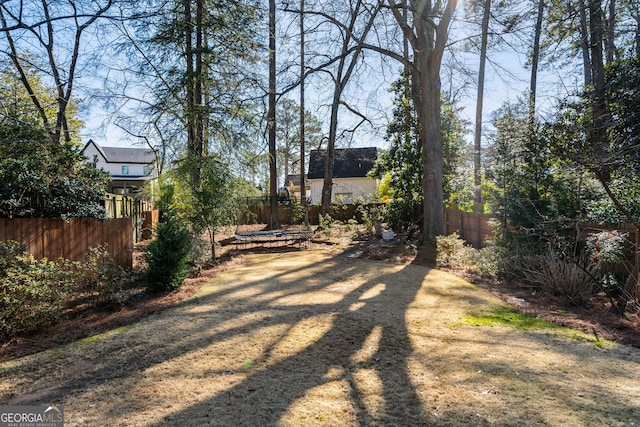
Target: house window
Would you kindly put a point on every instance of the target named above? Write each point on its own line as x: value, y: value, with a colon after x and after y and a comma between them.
x: 147, y: 170
x: 125, y: 170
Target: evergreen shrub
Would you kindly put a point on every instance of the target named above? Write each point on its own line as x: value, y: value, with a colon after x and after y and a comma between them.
x: 168, y: 256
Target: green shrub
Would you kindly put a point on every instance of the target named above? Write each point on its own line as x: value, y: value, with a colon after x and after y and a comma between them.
x: 32, y: 292
x: 373, y: 215
x: 452, y: 252
x: 486, y: 260
x: 325, y: 222
x: 167, y: 256
x: 9, y: 251
x: 105, y: 280
x: 298, y: 212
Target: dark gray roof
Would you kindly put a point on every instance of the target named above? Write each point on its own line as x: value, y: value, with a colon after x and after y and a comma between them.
x: 347, y: 162
x: 129, y: 155
x: 126, y: 154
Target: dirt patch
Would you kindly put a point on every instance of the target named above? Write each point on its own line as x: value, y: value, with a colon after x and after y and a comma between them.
x: 320, y: 337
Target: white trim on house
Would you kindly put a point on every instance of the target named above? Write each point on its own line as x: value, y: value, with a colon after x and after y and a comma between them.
x: 130, y: 168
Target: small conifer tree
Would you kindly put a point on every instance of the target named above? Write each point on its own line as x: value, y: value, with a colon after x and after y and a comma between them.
x: 168, y: 256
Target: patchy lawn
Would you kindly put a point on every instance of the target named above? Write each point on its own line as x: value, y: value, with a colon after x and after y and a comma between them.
x: 321, y: 338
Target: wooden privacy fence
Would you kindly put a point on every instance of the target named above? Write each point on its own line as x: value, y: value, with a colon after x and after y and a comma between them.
x: 259, y: 213
x: 475, y: 228
x: 118, y: 206
x: 53, y: 238
x: 472, y: 227
x: 144, y: 217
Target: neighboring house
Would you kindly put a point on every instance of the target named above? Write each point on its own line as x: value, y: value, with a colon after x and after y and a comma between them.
x: 293, y: 185
x: 130, y: 168
x: 350, y: 169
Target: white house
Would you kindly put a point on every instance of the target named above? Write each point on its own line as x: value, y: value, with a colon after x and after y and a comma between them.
x: 350, y: 169
x: 130, y: 168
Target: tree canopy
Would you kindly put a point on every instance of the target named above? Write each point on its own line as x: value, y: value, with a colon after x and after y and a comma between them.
x: 41, y: 179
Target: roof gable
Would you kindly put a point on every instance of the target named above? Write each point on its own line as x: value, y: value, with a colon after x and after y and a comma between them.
x: 97, y: 148
x: 124, y: 154
x: 347, y: 162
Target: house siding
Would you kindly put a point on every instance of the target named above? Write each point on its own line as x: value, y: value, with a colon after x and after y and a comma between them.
x: 359, y: 188
x: 350, y: 181
x: 115, y: 168
x: 135, y: 176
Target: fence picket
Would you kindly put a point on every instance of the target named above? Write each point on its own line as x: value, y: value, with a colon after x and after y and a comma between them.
x: 53, y: 238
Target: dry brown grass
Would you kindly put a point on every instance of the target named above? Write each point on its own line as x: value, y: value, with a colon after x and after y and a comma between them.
x: 318, y: 338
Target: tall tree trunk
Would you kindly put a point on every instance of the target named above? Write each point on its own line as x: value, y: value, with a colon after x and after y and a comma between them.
x: 340, y: 81
x: 190, y: 69
x: 271, y: 120
x: 206, y: 99
x: 303, y: 189
x: 611, y: 32
x: 584, y: 43
x: 192, y: 147
x: 428, y: 41
x: 598, y: 134
x: 197, y: 101
x: 477, y: 140
x: 535, y: 59
x: 327, y: 185
x: 410, y: 136
x: 428, y: 107
x: 533, y: 146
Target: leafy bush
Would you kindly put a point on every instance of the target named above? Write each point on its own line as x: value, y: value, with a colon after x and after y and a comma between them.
x: 341, y: 211
x: 452, y: 252
x: 325, y: 222
x: 41, y: 179
x: 486, y: 260
x: 298, y: 212
x: 32, y: 293
x: 102, y: 277
x: 373, y: 215
x: 167, y: 256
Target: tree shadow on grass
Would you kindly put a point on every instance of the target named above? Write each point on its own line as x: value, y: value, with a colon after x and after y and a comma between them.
x: 361, y: 365
x: 361, y: 340
x: 269, y: 391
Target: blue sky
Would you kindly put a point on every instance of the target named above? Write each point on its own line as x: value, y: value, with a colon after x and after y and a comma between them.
x: 506, y: 81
